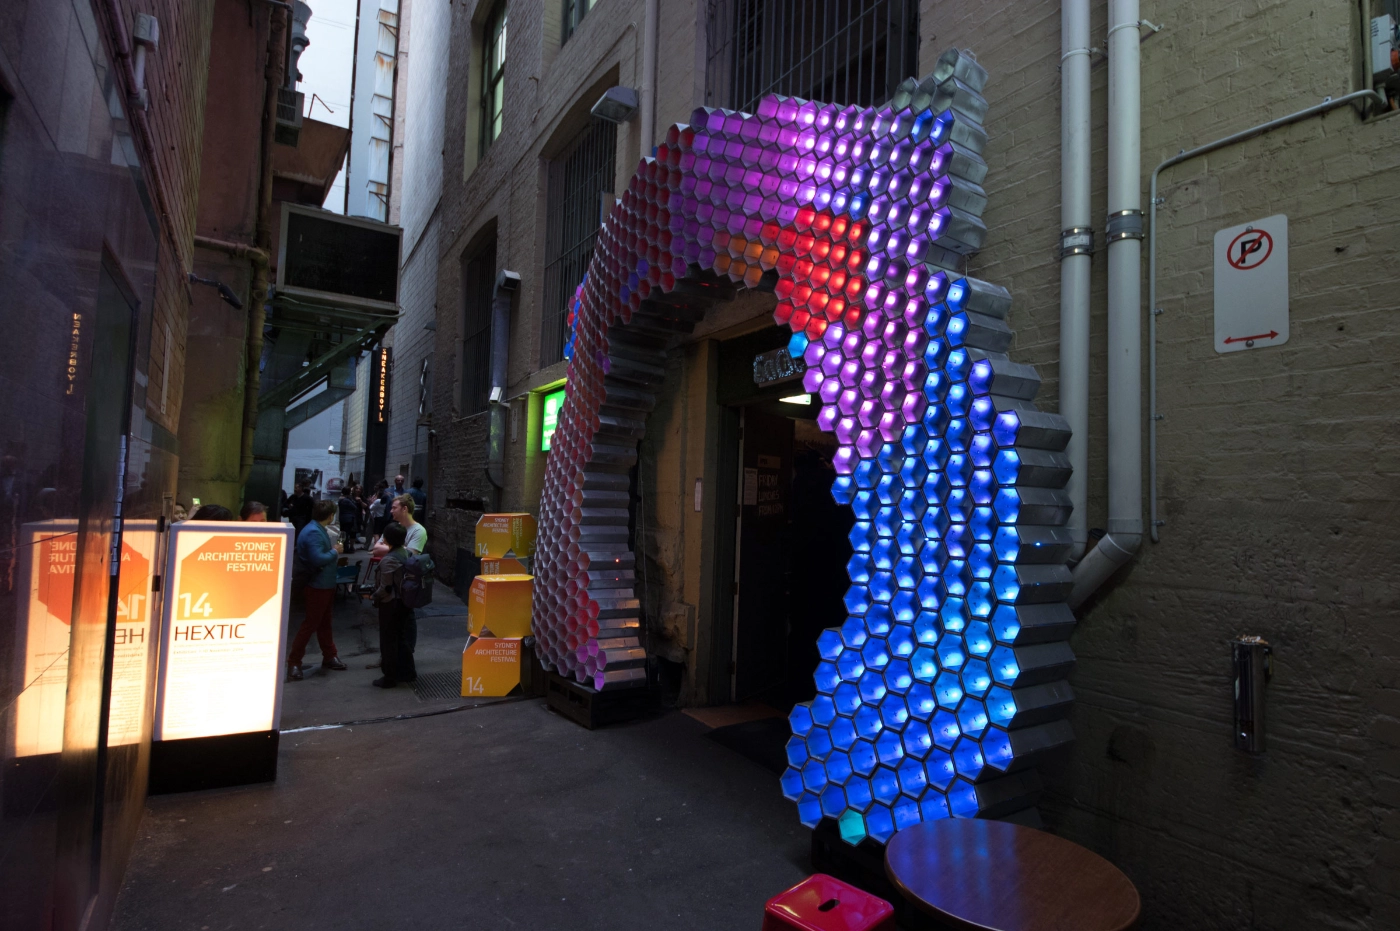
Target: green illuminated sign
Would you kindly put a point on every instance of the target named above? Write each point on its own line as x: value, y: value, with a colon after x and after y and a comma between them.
x: 552, y: 403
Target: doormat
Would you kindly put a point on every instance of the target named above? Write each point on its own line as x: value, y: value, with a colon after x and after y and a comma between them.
x: 763, y: 741
x: 438, y: 686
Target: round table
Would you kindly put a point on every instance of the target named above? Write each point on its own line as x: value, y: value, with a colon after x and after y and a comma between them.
x: 995, y: 876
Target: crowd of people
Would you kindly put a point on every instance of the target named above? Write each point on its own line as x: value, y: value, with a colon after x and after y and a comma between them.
x: 384, y: 521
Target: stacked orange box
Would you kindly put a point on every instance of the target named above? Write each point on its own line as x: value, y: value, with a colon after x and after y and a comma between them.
x: 498, y: 606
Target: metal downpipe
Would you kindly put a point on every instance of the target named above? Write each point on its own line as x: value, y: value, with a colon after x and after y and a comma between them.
x: 507, y: 283
x: 1076, y: 257
x: 1124, y: 235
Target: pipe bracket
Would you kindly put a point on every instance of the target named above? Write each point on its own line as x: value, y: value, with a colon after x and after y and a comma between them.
x: 1125, y: 224
x: 1077, y: 240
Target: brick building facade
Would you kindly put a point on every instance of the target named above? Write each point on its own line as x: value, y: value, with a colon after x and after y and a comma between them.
x: 1272, y: 464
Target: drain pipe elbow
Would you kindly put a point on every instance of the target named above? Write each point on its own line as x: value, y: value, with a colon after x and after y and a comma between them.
x: 507, y: 283
x: 1098, y: 566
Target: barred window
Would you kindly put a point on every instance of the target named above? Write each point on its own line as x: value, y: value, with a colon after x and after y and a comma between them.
x: 478, y: 282
x: 493, y: 75
x: 580, y: 182
x: 841, y: 51
x: 574, y: 12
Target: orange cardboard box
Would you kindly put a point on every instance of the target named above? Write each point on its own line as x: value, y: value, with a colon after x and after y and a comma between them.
x: 490, y: 667
x: 499, y: 605
x: 503, y: 565
x: 505, y: 535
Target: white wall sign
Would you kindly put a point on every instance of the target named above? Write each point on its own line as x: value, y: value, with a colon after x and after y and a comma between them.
x: 44, y: 604
x: 224, y: 624
x: 1251, y: 285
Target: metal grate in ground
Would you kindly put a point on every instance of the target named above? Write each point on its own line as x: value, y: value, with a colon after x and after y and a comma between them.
x: 437, y: 686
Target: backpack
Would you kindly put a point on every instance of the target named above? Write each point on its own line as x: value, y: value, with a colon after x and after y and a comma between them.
x: 416, y: 585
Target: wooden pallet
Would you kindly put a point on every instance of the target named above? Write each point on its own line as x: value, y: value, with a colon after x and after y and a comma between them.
x: 591, y: 708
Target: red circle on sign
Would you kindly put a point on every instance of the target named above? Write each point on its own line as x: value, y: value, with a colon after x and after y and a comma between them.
x: 1241, y: 255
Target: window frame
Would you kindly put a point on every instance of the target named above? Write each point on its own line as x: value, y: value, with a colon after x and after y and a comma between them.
x: 494, y: 33
x: 478, y: 291
x: 574, y: 12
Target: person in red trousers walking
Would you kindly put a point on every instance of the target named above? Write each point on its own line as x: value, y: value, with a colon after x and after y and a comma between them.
x: 315, y: 566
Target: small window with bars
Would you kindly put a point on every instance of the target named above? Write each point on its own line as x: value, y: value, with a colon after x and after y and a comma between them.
x: 478, y: 283
x: 574, y: 12
x: 837, y: 51
x: 493, y: 75
x: 580, y: 185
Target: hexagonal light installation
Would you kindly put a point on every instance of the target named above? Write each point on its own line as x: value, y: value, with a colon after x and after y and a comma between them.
x: 948, y: 675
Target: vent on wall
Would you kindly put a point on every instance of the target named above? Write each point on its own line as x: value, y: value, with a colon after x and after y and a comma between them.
x: 289, y: 104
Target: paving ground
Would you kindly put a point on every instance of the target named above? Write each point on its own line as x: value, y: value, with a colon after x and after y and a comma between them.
x: 502, y: 815
x: 327, y: 697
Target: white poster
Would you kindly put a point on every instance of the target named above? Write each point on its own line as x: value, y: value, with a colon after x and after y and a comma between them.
x: 1251, y: 285
x: 47, y: 566
x: 223, y: 629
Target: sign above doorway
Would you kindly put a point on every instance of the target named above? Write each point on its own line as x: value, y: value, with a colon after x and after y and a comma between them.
x: 776, y: 367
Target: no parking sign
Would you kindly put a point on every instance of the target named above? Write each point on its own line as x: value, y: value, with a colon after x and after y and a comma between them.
x: 1251, y: 285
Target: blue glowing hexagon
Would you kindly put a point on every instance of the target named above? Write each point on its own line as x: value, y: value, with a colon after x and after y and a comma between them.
x: 872, y: 684
x: 918, y: 739
x: 901, y: 640
x: 933, y: 806
x: 814, y: 775
x: 829, y: 643
x: 796, y: 752
x: 833, y: 801
x: 853, y: 632
x: 792, y: 784
x: 940, y: 769
x: 921, y: 701
x: 888, y: 747
x: 1001, y: 706
x: 809, y: 810
x: 879, y: 823
x: 885, y: 784
x: 875, y: 655
x: 838, y: 767
x: 859, y: 567
x: 962, y: 799
x: 850, y: 666
x: 1005, y: 669
x: 972, y: 717
x: 906, y: 813
x: 945, y: 729
x: 818, y: 742
x: 898, y: 676
x: 893, y: 712
x: 858, y: 599
x: 867, y: 721
x: 951, y: 652
x: 927, y: 627
x: 846, y: 698
x: 800, y: 719
x: 843, y: 733
x: 912, y: 777
x: 826, y: 677
x: 1006, y: 624
x: 976, y: 678
x: 863, y: 757
x: 858, y: 794
x: 967, y: 758
x: 948, y: 689
x: 823, y: 710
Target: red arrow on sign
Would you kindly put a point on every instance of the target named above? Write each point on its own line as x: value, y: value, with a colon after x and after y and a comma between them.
x: 1244, y: 339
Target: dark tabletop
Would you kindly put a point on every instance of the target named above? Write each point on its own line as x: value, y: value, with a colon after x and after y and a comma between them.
x: 994, y: 876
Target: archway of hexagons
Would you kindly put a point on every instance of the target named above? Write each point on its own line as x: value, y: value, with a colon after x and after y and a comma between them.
x: 948, y: 677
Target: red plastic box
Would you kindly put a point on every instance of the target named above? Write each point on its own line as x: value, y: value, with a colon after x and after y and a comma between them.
x: 824, y: 903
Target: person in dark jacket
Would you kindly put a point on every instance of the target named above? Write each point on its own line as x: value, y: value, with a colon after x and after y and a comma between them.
x: 317, y: 556
x: 298, y: 509
x: 397, y: 629
x: 420, y: 500
x: 349, y: 518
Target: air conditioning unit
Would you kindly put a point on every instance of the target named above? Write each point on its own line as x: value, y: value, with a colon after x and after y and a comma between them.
x: 289, y: 106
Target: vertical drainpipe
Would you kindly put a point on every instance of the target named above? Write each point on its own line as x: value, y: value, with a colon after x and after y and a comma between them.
x: 259, y: 292
x: 507, y: 283
x: 1076, y: 257
x: 1124, y: 235
x: 648, y: 95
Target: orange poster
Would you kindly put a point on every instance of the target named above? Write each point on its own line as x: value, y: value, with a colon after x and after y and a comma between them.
x: 48, y: 559
x: 224, y: 623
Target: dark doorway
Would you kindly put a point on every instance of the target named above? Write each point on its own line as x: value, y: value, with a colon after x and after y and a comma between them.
x: 781, y: 539
x: 761, y: 624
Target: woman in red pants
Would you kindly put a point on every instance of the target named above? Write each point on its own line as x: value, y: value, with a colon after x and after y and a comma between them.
x: 316, y: 556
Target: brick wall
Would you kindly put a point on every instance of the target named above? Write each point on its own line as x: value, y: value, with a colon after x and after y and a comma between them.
x: 176, y: 81
x: 1272, y: 466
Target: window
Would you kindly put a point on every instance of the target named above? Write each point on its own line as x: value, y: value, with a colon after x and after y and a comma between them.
x: 478, y: 284
x: 840, y: 51
x: 574, y: 12
x: 580, y: 182
x: 493, y: 75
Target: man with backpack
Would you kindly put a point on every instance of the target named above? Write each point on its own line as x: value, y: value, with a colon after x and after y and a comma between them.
x: 405, y: 582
